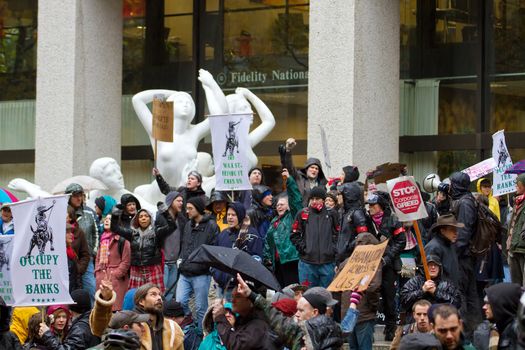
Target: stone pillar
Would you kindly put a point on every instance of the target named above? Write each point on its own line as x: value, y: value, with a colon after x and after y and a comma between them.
x: 353, y: 87
x: 79, y: 87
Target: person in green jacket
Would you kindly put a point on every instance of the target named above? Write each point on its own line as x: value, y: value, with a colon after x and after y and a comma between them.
x: 279, y: 251
x: 516, y: 238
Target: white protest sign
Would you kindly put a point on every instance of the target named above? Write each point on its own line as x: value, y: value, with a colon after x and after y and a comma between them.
x: 6, y: 248
x: 501, y: 183
x: 229, y: 137
x: 39, y: 262
x: 481, y: 169
x: 407, y: 200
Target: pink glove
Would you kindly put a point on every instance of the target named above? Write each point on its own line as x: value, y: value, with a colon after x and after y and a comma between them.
x: 355, y: 298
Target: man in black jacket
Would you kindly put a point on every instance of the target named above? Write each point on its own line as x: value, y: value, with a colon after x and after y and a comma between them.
x: 195, y: 278
x: 464, y: 208
x: 314, y: 234
x: 387, y: 226
x: 79, y: 335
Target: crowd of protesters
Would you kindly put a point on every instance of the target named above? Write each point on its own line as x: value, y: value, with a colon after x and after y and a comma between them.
x: 135, y: 286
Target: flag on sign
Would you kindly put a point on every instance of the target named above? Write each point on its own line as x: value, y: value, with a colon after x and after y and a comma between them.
x: 229, y: 138
x: 39, y: 262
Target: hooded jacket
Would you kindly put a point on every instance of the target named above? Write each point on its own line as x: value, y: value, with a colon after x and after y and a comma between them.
x: 464, y: 208
x: 444, y: 250
x: 78, y: 337
x: 125, y: 218
x: 193, y: 237
x: 262, y: 214
x: 493, y: 202
x: 220, y: 218
x: 391, y: 228
x: 517, y: 223
x: 303, y: 183
x: 165, y: 188
x: 322, y: 333
x: 355, y: 219
x: 351, y: 173
x: 145, y: 244
x: 504, y: 299
x: 172, y: 241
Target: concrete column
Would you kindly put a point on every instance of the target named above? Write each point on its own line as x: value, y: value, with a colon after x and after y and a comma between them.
x: 79, y: 86
x: 353, y: 87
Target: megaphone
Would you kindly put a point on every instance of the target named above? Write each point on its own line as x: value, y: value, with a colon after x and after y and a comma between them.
x: 431, y: 183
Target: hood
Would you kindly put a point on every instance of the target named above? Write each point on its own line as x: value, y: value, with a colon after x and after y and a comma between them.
x: 135, y: 220
x: 313, y: 161
x: 504, y: 299
x: 258, y: 192
x: 239, y: 210
x: 352, y: 195
x: 351, y: 173
x: 323, y: 333
x: 478, y: 185
x: 109, y: 203
x: 459, y: 184
x: 127, y: 198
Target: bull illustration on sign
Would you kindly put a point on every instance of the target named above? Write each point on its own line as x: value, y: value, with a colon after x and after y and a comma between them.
x: 42, y: 233
x: 4, y: 258
x: 232, y: 141
x: 503, y: 154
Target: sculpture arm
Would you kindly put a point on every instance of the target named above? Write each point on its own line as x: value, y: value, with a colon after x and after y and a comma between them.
x: 140, y: 106
x: 267, y: 118
x: 214, y: 96
x: 22, y: 185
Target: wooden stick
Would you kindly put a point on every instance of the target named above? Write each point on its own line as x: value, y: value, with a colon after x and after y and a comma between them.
x: 155, y: 155
x: 421, y: 250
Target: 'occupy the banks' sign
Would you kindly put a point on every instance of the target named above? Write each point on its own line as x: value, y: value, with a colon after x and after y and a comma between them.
x: 405, y: 195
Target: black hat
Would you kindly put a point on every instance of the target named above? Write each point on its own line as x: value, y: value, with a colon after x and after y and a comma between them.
x: 173, y: 308
x: 420, y: 341
x: 317, y: 192
x: 170, y: 197
x: 82, y: 300
x: 100, y: 202
x: 198, y: 203
x: 434, y: 258
x: 126, y: 318
x: 351, y: 173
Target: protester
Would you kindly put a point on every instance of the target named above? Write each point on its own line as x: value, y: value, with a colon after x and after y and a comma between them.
x: 420, y: 341
x: 129, y: 206
x: 145, y: 239
x: 77, y: 252
x: 8, y: 339
x: 515, y: 240
x: 261, y: 209
x: 448, y: 328
x: 386, y: 226
x: 79, y: 335
x: 33, y: 341
x: 6, y: 221
x: 437, y: 290
x: 279, y: 252
x: 87, y: 223
x: 58, y: 318
x: 174, y: 311
x: 212, y: 339
x: 192, y: 189
x: 501, y: 303
x: 114, y: 260
x: 103, y: 207
x: 314, y: 234
x: 195, y: 278
x: 421, y: 323
x: 465, y: 210
x: 484, y: 187
x: 119, y: 339
x: 174, y: 203
x: 19, y: 317
x: 217, y: 207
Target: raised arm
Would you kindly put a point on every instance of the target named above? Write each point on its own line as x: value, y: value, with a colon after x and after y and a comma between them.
x: 22, y: 185
x: 140, y: 106
x: 267, y: 118
x: 214, y: 96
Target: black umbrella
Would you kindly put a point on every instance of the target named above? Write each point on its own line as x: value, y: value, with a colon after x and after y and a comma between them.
x: 234, y: 261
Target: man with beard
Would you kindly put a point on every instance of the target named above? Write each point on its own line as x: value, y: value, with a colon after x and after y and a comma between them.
x: 159, y: 333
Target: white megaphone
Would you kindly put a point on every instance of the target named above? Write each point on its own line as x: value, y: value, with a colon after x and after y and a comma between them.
x: 431, y: 183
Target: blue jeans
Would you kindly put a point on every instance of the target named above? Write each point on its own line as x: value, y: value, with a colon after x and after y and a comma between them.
x: 316, y: 275
x: 362, y: 337
x: 89, y: 282
x: 170, y: 279
x: 198, y: 285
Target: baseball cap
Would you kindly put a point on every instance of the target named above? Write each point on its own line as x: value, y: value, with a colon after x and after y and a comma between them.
x: 319, y: 298
x: 125, y: 318
x: 173, y: 308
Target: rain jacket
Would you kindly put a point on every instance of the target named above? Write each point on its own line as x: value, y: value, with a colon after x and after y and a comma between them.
x: 315, y: 234
x: 278, y: 243
x: 249, y: 333
x: 193, y: 237
x: 125, y: 218
x: 446, y: 292
x: 20, y: 319
x: 145, y: 244
x: 355, y: 219
x: 444, y: 250
x: 88, y: 224
x: 303, y: 183
x: 517, y: 223
x: 493, y: 202
x: 262, y: 215
x: 464, y: 208
x: 78, y: 337
x: 504, y: 299
x: 321, y: 332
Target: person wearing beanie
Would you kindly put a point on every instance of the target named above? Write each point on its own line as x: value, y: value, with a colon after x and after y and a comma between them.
x: 256, y: 176
x: 103, y: 207
x: 241, y: 235
x: 174, y: 311
x: 194, y: 279
x: 310, y: 176
x: 192, y: 189
x: 279, y: 252
x: 79, y: 335
x: 288, y: 307
x: 174, y: 204
x: 515, y: 241
x: 314, y: 234
x: 261, y: 209
x: 58, y: 316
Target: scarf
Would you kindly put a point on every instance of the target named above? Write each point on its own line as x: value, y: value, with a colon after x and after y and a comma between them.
x: 317, y: 207
x: 104, y: 247
x: 378, y: 217
x: 519, y: 200
x: 70, y: 252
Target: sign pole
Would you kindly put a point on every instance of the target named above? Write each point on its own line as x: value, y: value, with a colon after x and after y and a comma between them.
x: 155, y: 155
x: 421, y: 250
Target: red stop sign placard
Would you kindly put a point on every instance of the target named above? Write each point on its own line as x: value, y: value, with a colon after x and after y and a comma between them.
x: 406, y: 197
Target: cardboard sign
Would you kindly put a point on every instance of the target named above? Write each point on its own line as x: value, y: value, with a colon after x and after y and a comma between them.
x: 162, y: 122
x: 359, y: 269
x: 481, y: 169
x: 407, y: 200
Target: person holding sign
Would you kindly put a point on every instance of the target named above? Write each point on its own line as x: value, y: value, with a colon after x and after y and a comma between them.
x: 516, y: 241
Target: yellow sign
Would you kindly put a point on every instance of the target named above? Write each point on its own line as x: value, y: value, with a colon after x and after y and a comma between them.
x: 162, y: 120
x: 359, y: 269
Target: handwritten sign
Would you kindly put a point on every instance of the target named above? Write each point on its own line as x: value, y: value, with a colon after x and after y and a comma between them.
x: 481, y: 169
x: 162, y: 123
x: 360, y: 268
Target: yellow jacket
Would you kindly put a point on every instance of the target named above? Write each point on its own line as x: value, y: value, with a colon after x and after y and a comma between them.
x: 20, y: 319
x: 493, y: 202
